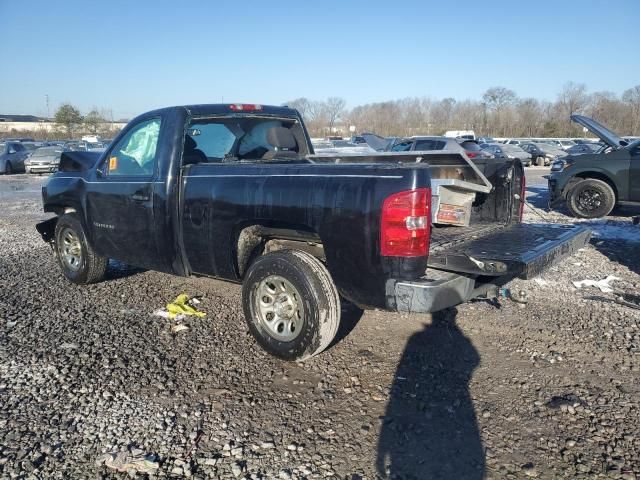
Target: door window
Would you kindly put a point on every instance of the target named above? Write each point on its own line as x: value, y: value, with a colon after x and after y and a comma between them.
x: 402, y: 147
x: 429, y: 145
x: 136, y: 152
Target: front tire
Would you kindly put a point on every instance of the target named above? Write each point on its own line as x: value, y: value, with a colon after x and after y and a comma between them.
x: 539, y: 161
x: 291, y: 304
x: 8, y: 169
x: 77, y: 259
x: 591, y: 198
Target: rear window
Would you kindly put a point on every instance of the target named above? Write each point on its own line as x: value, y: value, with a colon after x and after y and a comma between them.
x: 429, y: 145
x: 244, y: 138
x: 471, y: 146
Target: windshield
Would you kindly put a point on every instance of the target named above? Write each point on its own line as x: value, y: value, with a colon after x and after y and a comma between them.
x: 47, y: 152
x: 243, y: 138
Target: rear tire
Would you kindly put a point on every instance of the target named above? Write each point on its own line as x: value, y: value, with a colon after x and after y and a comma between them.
x: 591, y: 198
x: 77, y: 259
x: 291, y: 304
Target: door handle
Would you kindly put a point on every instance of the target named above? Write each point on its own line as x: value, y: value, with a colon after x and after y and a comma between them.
x: 140, y: 196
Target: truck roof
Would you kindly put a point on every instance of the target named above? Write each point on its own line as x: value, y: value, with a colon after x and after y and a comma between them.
x: 228, y: 108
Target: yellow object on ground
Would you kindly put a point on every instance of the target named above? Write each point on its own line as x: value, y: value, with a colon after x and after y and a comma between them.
x: 182, y: 306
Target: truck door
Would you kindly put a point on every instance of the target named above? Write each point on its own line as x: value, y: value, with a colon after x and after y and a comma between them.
x: 634, y: 174
x: 120, y: 199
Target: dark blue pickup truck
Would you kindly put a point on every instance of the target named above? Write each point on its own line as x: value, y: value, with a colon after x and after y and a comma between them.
x: 236, y: 192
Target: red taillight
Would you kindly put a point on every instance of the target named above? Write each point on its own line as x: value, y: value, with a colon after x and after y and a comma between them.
x: 405, y: 227
x: 472, y: 154
x: 523, y: 191
x: 245, y: 107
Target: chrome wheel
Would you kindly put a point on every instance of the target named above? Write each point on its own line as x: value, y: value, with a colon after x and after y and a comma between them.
x: 70, y: 249
x: 279, y: 308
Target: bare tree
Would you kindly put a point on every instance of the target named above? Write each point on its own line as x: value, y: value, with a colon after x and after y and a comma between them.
x: 94, y: 120
x: 632, y: 98
x: 335, y: 108
x: 497, y: 98
x: 302, y: 104
x: 572, y: 99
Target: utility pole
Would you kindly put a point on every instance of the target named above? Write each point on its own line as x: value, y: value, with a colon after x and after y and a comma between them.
x: 46, y: 97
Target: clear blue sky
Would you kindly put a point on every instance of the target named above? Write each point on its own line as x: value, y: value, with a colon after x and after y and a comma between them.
x: 132, y: 56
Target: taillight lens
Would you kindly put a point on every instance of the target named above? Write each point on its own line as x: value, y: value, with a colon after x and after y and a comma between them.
x: 472, y: 154
x: 405, y: 228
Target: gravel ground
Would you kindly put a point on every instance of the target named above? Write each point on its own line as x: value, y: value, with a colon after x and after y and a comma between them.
x: 546, y: 389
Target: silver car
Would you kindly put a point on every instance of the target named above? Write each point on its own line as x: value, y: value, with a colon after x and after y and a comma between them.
x: 43, y: 160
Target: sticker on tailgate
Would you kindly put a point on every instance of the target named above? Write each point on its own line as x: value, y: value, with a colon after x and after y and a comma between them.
x: 452, y: 214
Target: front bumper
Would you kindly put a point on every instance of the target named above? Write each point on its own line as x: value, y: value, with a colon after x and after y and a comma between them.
x: 42, y: 168
x: 556, y: 195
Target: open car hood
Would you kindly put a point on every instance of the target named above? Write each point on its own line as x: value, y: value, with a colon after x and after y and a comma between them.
x: 600, y: 131
x: 376, y: 142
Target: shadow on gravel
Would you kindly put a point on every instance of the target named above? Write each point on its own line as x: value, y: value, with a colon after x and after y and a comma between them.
x: 430, y: 429
x: 349, y: 317
x: 620, y: 251
x: 118, y: 270
x: 538, y: 196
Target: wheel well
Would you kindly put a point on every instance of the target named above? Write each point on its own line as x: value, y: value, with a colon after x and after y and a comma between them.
x: 256, y: 240
x: 598, y: 176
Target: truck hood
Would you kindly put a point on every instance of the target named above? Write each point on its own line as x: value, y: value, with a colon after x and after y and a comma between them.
x: 78, y: 161
x: 599, y: 130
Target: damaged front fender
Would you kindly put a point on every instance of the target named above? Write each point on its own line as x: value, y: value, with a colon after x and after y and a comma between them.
x: 47, y: 229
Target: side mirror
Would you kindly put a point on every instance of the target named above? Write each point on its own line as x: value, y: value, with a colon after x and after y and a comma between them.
x: 12, y: 150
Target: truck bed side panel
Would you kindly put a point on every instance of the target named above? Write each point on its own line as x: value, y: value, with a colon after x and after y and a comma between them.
x: 339, y: 205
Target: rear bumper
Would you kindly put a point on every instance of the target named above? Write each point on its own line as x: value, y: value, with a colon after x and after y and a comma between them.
x: 439, y: 290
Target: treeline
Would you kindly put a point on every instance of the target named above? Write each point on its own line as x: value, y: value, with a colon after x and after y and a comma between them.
x: 69, y: 123
x: 499, y: 113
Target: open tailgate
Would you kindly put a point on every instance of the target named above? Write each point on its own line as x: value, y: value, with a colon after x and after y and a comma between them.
x: 523, y: 250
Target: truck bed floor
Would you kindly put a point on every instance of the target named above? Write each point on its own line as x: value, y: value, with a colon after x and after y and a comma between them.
x: 443, y: 237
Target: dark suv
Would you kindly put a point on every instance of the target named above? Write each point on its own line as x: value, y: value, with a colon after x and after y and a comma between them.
x: 593, y: 183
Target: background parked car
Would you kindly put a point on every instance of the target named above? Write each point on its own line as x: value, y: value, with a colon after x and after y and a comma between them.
x: 508, y: 151
x: 43, y: 160
x: 542, y: 153
x: 563, y: 144
x: 424, y: 143
x: 538, y: 156
x: 582, y: 148
x: 473, y: 150
x: 592, y: 184
x: 12, y: 157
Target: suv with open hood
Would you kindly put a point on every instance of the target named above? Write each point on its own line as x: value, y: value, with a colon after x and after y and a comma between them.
x: 593, y: 184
